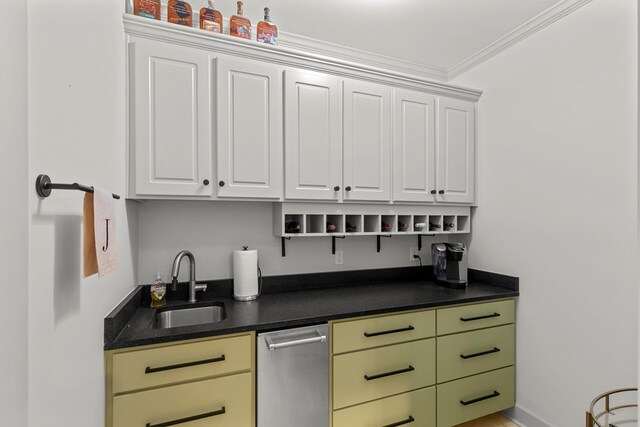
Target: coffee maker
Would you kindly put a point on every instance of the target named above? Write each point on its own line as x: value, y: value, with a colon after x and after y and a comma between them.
x: 449, y: 264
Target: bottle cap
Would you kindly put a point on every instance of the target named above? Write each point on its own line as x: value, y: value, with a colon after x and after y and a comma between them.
x: 210, y: 4
x: 239, y: 7
x: 266, y: 13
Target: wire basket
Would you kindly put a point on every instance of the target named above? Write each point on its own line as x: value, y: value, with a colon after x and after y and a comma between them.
x: 614, y: 408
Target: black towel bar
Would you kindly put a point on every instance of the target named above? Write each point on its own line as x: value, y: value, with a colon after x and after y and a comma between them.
x: 44, y: 187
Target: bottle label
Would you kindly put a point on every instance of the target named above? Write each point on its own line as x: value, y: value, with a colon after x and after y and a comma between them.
x: 147, y: 9
x: 180, y: 10
x: 240, y: 27
x: 268, y: 35
x: 210, y: 26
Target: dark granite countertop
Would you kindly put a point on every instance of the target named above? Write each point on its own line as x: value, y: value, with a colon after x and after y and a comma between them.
x: 300, y: 300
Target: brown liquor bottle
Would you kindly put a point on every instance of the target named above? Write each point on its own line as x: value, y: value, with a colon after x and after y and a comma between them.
x: 210, y: 19
x: 147, y: 8
x: 239, y: 26
x: 179, y: 12
x: 267, y: 30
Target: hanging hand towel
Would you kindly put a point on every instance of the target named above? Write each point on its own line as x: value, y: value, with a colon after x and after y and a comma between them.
x: 90, y: 262
x: 99, y: 237
x: 104, y: 220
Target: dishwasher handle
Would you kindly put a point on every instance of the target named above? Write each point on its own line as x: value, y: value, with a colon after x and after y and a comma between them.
x: 302, y: 341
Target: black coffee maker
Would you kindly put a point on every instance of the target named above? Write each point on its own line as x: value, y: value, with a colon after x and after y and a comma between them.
x: 449, y: 264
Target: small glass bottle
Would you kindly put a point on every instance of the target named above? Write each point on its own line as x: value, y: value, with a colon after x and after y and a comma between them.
x: 158, y: 291
x: 147, y: 8
x: 210, y: 19
x: 179, y: 12
x: 267, y: 30
x: 239, y: 26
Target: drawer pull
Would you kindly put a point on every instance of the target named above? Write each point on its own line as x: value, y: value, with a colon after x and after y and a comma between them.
x: 486, y: 316
x: 386, y: 374
x: 391, y: 331
x: 188, y: 419
x: 150, y: 370
x: 482, y: 353
x: 479, y: 399
x: 400, y: 423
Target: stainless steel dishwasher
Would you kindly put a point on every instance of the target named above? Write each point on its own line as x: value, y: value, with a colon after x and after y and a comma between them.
x: 293, y: 377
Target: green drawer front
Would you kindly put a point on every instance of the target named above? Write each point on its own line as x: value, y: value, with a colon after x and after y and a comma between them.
x: 475, y: 316
x: 483, y: 394
x: 470, y: 353
x: 382, y: 330
x: 410, y: 365
x: 417, y: 408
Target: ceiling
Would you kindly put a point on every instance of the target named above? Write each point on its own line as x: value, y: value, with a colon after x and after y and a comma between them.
x: 434, y: 33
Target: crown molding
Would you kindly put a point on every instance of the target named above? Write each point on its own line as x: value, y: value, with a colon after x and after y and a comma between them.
x: 532, y: 26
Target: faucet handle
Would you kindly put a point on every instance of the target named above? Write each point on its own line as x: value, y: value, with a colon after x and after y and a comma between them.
x: 201, y: 287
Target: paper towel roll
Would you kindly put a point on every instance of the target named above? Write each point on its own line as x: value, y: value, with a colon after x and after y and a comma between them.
x: 245, y: 275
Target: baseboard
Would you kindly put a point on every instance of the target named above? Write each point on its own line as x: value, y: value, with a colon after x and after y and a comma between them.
x: 524, y: 418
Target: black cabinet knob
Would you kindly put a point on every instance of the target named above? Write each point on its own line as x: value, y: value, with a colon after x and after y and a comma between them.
x: 441, y: 192
x: 347, y: 188
x: 433, y: 191
x: 336, y: 188
x: 205, y: 182
x: 221, y: 183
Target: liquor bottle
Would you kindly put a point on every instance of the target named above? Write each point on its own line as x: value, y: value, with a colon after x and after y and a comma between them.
x: 147, y: 8
x: 239, y: 26
x: 179, y: 12
x: 267, y: 30
x: 210, y: 19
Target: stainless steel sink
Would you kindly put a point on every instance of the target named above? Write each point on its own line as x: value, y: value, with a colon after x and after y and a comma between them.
x: 172, y: 318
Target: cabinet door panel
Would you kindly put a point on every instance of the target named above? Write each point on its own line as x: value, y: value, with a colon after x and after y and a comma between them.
x: 456, y: 150
x: 171, y: 117
x: 313, y: 158
x: 414, y: 149
x: 249, y: 129
x: 367, y: 160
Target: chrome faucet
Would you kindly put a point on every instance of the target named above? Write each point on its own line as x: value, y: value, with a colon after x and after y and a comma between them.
x: 175, y: 270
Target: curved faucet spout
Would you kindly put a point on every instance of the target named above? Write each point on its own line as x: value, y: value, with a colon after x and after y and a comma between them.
x: 175, y: 271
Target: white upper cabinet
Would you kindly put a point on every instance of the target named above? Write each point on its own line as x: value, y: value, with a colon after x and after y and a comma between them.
x: 456, y: 151
x: 169, y: 121
x: 313, y: 136
x: 367, y: 136
x: 414, y: 147
x: 249, y: 129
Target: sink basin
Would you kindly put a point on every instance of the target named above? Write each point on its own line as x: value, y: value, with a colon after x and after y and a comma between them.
x: 172, y: 318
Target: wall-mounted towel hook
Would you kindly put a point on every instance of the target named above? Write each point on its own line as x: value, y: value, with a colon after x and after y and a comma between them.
x: 333, y: 243
x: 378, y: 240
x: 44, y: 187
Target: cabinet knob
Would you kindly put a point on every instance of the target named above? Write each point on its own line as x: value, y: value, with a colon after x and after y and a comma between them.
x: 205, y: 182
x: 441, y: 192
x: 433, y: 191
x: 221, y: 183
x: 347, y: 188
x: 336, y: 188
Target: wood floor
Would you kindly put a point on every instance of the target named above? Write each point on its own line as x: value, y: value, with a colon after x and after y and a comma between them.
x: 494, y: 420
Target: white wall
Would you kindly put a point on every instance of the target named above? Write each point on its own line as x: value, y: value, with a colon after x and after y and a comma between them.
x: 76, y: 133
x: 558, y: 204
x: 213, y: 230
x: 13, y: 215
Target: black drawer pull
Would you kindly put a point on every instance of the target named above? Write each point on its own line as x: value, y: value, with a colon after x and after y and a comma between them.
x: 482, y: 353
x: 184, y: 365
x: 390, y: 331
x: 480, y: 399
x: 188, y: 419
x: 401, y: 423
x: 486, y: 316
x: 386, y: 374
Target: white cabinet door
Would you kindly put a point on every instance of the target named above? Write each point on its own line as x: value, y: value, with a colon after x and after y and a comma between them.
x: 414, y: 148
x: 170, y: 121
x: 249, y: 108
x: 456, y: 151
x: 313, y: 136
x: 367, y: 154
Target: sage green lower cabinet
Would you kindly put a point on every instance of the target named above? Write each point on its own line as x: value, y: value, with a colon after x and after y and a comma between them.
x: 425, y: 368
x: 416, y: 408
x: 473, y: 397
